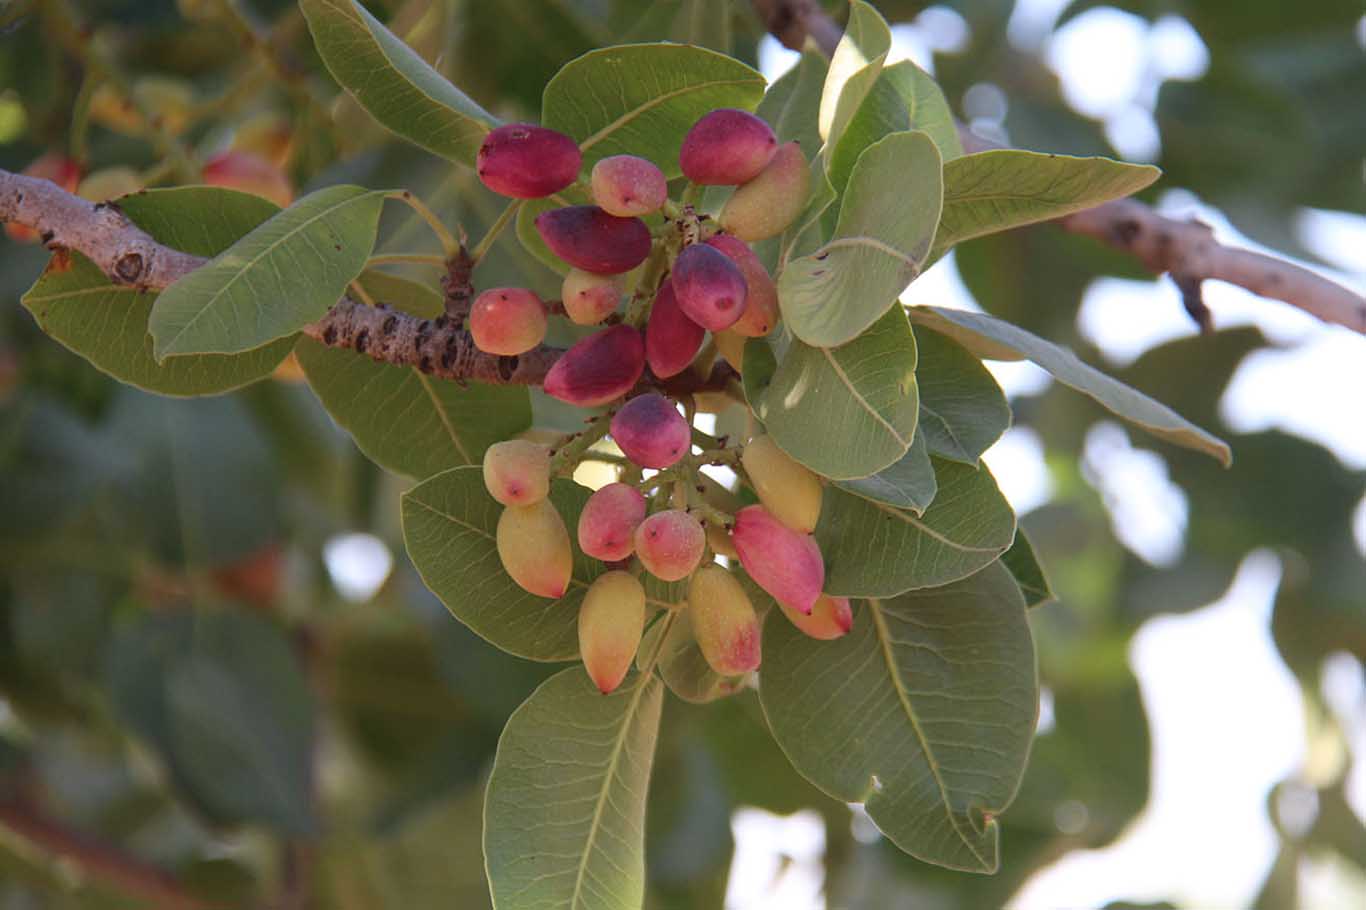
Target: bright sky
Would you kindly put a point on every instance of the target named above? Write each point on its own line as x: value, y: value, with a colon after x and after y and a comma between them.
x: 1224, y: 731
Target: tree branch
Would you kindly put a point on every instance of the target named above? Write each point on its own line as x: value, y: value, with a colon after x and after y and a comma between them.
x: 1186, y: 250
x: 98, y: 861
x: 129, y: 256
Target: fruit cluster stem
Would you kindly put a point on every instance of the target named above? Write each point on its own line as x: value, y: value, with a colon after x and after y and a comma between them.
x: 573, y: 448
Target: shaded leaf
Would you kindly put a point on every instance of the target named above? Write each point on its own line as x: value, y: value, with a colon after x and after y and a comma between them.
x: 283, y: 275
x: 107, y: 323
x: 565, y: 811
x: 792, y: 104
x: 1065, y: 366
x: 642, y: 99
x: 931, y: 720
x: 681, y: 664
x: 874, y: 550
x: 879, y: 245
x: 393, y: 83
x: 407, y: 421
x: 908, y: 484
x: 1025, y: 568
x: 962, y: 409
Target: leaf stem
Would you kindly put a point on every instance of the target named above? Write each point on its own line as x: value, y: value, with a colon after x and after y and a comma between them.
x: 572, y: 449
x: 449, y: 245
x: 504, y: 219
x: 648, y: 667
x: 363, y: 294
x: 406, y: 259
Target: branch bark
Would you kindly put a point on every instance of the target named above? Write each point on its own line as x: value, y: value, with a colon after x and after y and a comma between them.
x: 129, y: 256
x: 98, y: 861
x: 1187, y: 250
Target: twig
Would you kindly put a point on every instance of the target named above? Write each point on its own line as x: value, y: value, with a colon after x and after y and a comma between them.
x: 98, y: 861
x: 1186, y: 250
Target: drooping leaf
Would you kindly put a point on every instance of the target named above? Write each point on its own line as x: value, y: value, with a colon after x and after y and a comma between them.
x: 1025, y: 568
x: 853, y: 70
x: 240, y: 720
x: 642, y: 99
x: 850, y: 411
x: 449, y: 526
x: 564, y: 818
x: 393, y: 83
x: 924, y: 712
x: 904, y: 97
x: 962, y: 409
x: 909, y: 483
x: 880, y: 243
x: 1005, y: 188
x: 407, y: 421
x: 275, y: 280
x: 1119, y: 398
x: 874, y: 550
x: 106, y: 323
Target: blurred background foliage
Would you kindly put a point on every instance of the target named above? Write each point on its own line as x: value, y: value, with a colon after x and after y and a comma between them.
x: 196, y: 679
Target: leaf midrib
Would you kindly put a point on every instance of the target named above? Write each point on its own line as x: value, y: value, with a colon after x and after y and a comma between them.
x: 639, y: 110
x: 884, y: 641
x: 863, y: 403
x: 251, y: 264
x: 443, y: 417
x: 931, y: 532
x: 646, y: 680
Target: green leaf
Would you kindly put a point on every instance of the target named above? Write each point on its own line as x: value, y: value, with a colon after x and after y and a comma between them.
x: 1007, y: 188
x: 106, y: 323
x: 406, y: 421
x: 642, y: 99
x: 449, y: 523
x: 874, y: 550
x: 931, y: 721
x: 411, y: 297
x: 854, y: 68
x: 792, y: 104
x: 1119, y: 398
x: 222, y: 699
x: 879, y: 246
x: 1029, y: 575
x: 962, y: 409
x: 564, y: 818
x: 681, y: 664
x: 904, y: 97
x: 393, y: 83
x: 907, y: 484
x: 850, y: 411
x: 240, y: 720
x: 531, y: 238
x: 283, y: 275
